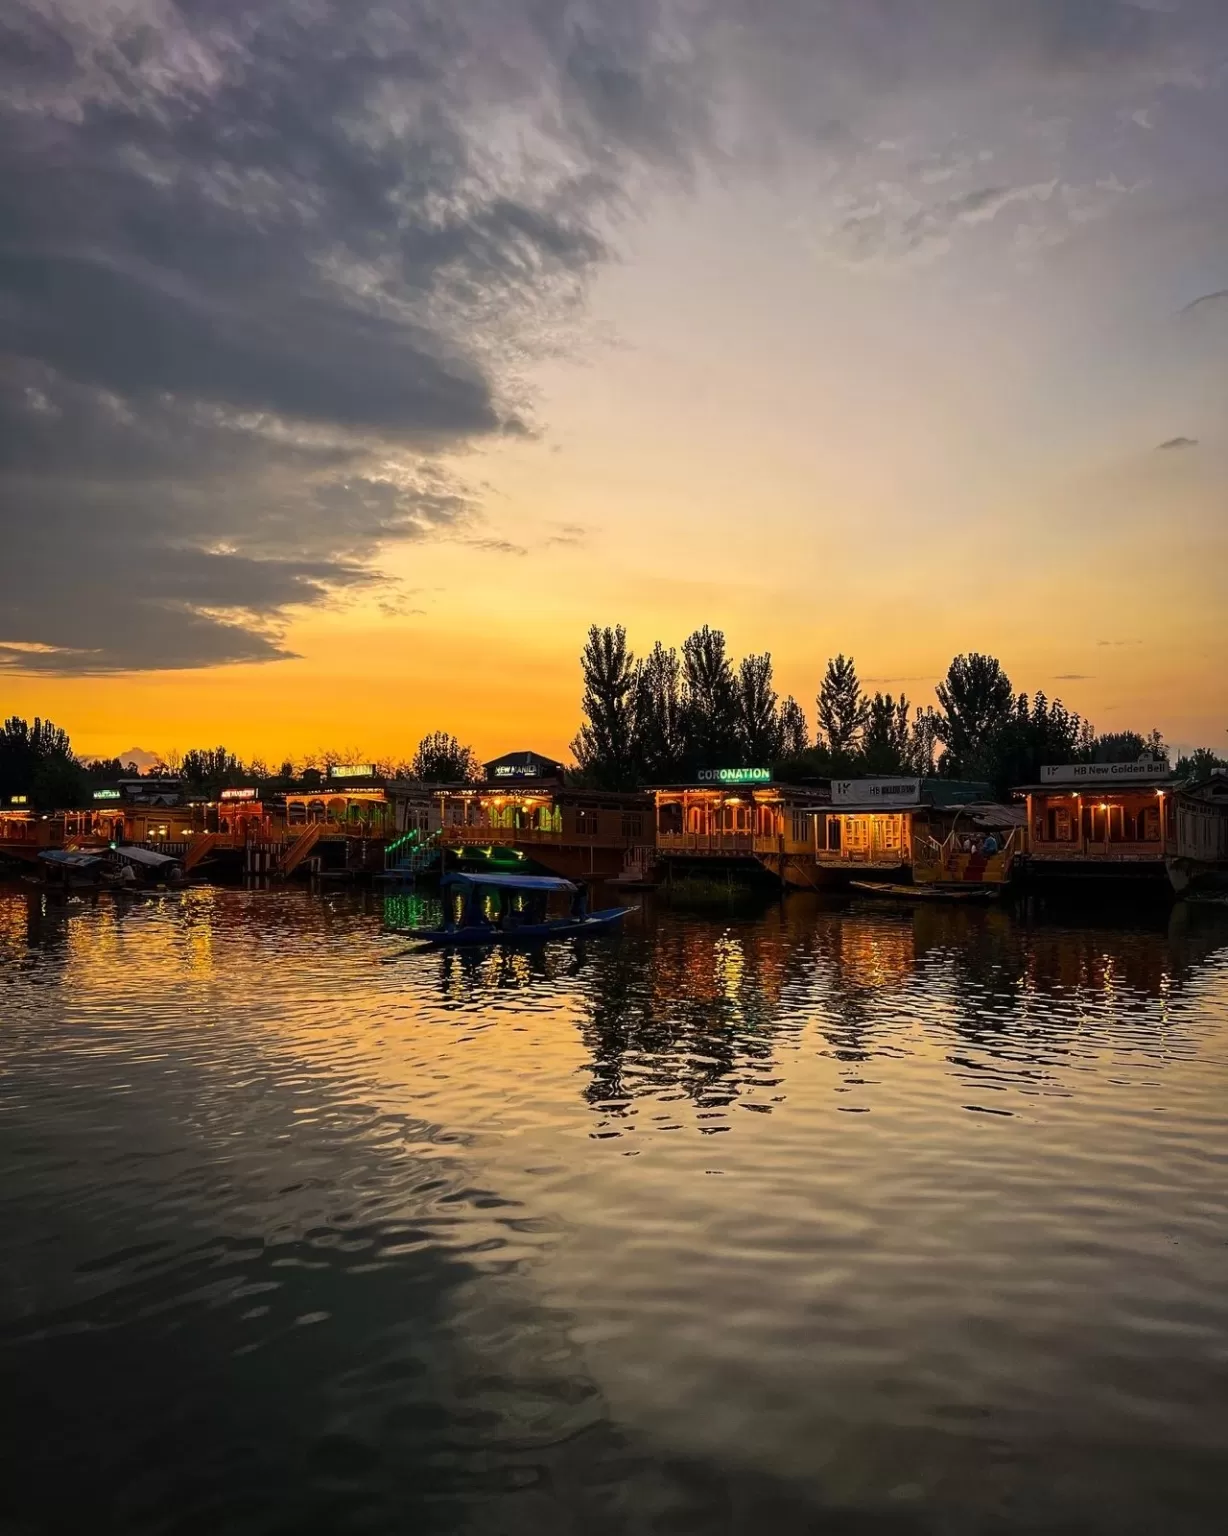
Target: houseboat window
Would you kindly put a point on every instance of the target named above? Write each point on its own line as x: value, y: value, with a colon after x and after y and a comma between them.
x: 669, y: 818
x: 1094, y: 823
x: 296, y: 813
x: 456, y: 815
x: 835, y: 833
x: 1149, y: 824
x: 856, y: 832
x: 315, y: 810
x: 1059, y: 827
x: 588, y: 822
x: 1118, y: 830
x: 633, y: 825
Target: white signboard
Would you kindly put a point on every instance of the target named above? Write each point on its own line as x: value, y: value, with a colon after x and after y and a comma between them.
x: 1100, y: 773
x: 876, y: 792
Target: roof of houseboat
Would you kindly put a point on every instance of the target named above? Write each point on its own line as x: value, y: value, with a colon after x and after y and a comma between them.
x: 512, y: 882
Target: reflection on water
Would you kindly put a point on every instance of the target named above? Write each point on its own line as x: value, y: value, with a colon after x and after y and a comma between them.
x: 833, y: 1216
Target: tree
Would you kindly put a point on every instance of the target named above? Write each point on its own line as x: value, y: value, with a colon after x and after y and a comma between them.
x: 759, y: 729
x: 1125, y: 747
x: 37, y: 761
x: 658, y: 739
x: 441, y: 759
x: 886, y: 742
x: 977, y: 700
x: 843, y: 710
x: 924, y: 744
x: 1032, y: 735
x: 1200, y: 763
x: 710, y: 704
x: 211, y: 769
x: 794, y: 732
x: 603, y: 747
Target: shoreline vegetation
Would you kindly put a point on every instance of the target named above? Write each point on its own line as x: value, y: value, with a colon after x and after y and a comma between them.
x: 666, y: 716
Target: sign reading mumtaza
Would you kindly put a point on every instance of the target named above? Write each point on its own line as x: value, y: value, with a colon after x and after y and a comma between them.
x: 239, y: 794
x: 1146, y: 772
x: 351, y: 771
x: 106, y: 794
x: 876, y: 792
x: 735, y: 775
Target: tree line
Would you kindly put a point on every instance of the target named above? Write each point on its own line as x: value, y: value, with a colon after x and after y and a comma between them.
x: 667, y: 716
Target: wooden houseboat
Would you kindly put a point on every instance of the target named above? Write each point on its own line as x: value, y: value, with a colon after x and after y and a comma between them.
x: 923, y: 831
x: 523, y: 810
x: 739, y: 818
x: 1101, y: 821
x: 1198, y: 863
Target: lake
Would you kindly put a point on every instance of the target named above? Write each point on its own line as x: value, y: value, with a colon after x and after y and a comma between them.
x: 799, y: 1217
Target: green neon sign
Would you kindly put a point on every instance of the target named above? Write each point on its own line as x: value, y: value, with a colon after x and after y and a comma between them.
x: 735, y: 775
x: 106, y: 794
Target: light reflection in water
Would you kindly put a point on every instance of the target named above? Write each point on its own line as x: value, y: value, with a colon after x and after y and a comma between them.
x: 913, y: 1216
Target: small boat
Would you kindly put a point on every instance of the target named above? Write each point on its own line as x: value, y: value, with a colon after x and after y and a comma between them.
x: 512, y: 909
x: 922, y: 892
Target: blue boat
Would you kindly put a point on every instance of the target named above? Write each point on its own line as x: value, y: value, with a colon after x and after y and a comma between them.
x: 512, y: 909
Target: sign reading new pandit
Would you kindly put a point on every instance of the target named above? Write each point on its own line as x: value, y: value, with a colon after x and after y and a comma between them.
x: 735, y: 775
x: 1147, y: 771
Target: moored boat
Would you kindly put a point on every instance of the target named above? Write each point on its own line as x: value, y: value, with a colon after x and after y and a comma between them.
x: 513, y: 909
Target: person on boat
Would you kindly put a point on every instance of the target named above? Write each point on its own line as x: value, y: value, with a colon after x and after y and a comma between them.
x: 579, y: 904
x: 990, y: 845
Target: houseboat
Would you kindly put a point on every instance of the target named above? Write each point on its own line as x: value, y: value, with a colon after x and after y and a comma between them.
x: 1101, y: 822
x: 917, y: 831
x: 1198, y: 863
x: 738, y: 819
x: 523, y: 811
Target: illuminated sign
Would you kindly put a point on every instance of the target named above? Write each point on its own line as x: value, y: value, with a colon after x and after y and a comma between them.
x: 516, y: 771
x: 352, y: 771
x: 106, y: 794
x: 735, y: 775
x: 239, y: 794
x: 876, y: 791
x: 1127, y: 773
x: 20, y: 800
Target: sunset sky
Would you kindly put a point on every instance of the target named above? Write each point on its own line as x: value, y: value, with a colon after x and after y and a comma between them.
x: 356, y: 356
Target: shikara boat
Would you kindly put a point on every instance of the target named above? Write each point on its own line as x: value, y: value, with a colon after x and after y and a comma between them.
x: 891, y: 891
x: 513, y: 909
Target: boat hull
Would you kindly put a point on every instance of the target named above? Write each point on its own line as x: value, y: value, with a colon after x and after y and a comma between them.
x: 531, y: 933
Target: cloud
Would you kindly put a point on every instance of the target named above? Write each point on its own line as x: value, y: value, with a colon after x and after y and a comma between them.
x: 1119, y: 642
x: 1178, y: 442
x: 569, y: 534
x: 498, y: 546
x: 266, y: 270
x: 1073, y: 677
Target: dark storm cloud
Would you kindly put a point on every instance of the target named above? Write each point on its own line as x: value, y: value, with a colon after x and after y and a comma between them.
x: 261, y: 265
x: 1178, y: 442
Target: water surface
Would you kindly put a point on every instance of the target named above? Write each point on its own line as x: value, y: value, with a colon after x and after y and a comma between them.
x: 804, y: 1218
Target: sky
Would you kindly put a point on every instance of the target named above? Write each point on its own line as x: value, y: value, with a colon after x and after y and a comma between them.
x: 357, y: 355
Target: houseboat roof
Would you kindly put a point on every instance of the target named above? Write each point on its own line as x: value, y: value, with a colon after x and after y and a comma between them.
x: 811, y: 791
x: 69, y: 858
x: 512, y: 882
x: 1100, y: 786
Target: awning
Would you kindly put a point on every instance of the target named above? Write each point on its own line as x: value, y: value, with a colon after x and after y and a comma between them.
x: 512, y: 882
x: 146, y: 857
x: 69, y: 858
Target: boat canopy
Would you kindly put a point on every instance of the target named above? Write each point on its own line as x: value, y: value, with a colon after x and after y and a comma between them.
x: 144, y: 856
x: 69, y: 858
x: 511, y: 882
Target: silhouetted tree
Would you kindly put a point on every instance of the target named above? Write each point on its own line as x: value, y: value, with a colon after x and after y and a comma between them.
x: 759, y: 730
x: 886, y: 742
x: 210, y: 769
x: 441, y: 759
x: 37, y: 761
x: 1126, y: 747
x: 977, y: 699
x: 843, y: 710
x: 659, y: 743
x: 794, y: 731
x: 710, y: 706
x: 604, y: 746
x: 924, y: 744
